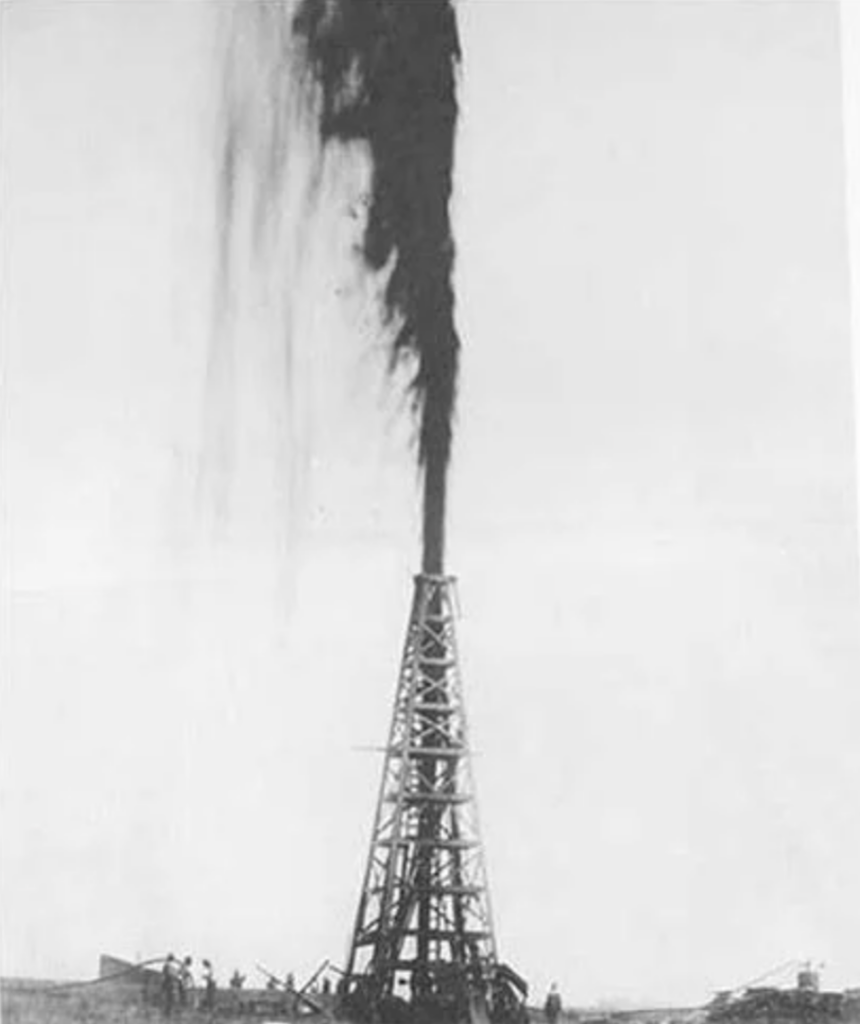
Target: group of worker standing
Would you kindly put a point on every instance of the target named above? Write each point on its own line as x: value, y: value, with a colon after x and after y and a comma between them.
x: 180, y: 991
x: 179, y: 988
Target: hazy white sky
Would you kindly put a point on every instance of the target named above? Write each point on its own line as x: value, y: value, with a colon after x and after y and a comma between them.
x: 653, y: 514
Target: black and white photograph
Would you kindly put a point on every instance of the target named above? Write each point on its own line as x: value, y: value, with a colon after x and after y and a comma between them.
x: 429, y: 566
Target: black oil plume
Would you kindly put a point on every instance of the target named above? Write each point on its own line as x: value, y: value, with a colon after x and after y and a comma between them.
x: 383, y: 73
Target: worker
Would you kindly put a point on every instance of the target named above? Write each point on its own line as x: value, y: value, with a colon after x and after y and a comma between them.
x: 209, y: 987
x: 237, y: 980
x: 552, y: 1006
x: 169, y: 984
x: 186, y: 984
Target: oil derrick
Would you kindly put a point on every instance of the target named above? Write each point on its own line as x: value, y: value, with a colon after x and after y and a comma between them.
x: 423, y: 933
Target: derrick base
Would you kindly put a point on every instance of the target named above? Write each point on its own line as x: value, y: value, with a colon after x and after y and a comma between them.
x: 449, y: 994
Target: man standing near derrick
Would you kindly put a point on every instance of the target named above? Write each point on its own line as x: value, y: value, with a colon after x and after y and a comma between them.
x: 552, y: 1006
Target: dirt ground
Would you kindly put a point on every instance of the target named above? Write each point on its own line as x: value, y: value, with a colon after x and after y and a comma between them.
x: 52, y: 1003
x: 40, y: 1004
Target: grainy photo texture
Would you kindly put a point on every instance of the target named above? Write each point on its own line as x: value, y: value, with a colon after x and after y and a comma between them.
x: 429, y: 577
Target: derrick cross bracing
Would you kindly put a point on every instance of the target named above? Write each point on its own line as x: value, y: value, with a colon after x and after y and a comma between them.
x: 424, y: 916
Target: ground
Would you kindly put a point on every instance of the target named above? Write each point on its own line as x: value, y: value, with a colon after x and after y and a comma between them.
x: 28, y: 1002
x: 44, y: 1003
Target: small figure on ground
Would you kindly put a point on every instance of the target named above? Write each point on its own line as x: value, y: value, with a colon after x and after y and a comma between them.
x: 209, y: 987
x: 237, y: 980
x: 186, y: 984
x: 169, y: 984
x: 290, y: 1001
x: 552, y: 1006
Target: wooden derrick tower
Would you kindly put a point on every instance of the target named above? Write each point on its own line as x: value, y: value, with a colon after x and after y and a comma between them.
x: 423, y: 932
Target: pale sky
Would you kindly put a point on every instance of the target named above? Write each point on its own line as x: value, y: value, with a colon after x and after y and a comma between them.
x: 653, y: 515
